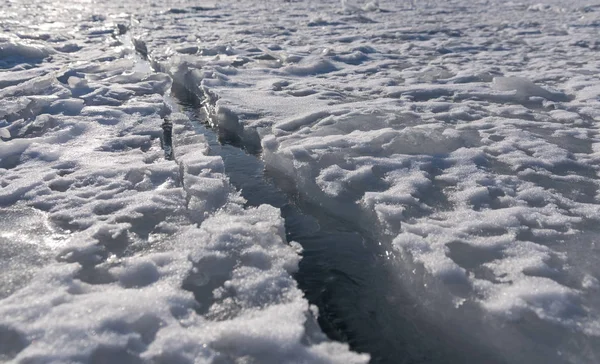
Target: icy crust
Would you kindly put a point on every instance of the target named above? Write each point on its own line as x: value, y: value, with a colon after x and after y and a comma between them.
x: 110, y: 252
x: 466, y: 132
x: 139, y: 313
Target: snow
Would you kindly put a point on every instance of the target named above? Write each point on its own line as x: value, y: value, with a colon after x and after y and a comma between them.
x: 525, y: 89
x: 12, y: 48
x: 465, y: 128
x: 110, y: 251
x: 465, y: 132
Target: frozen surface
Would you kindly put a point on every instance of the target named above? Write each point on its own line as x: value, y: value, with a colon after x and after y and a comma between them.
x: 465, y: 131
x: 109, y: 251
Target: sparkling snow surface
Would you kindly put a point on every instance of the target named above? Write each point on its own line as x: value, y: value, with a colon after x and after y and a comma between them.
x: 104, y: 243
x: 466, y: 133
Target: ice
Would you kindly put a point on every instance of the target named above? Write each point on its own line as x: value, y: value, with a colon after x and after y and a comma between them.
x: 465, y: 141
x: 310, y: 67
x: 525, y: 88
x: 256, y: 309
x: 462, y: 136
x: 15, y: 50
x: 110, y: 251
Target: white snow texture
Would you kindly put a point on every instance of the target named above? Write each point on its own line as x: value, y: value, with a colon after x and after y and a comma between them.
x: 465, y: 131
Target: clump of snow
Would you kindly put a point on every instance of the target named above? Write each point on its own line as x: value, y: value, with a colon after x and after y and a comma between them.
x: 525, y: 88
x: 310, y: 67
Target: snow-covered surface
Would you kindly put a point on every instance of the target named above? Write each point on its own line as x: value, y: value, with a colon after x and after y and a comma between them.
x: 466, y: 131
x: 110, y: 252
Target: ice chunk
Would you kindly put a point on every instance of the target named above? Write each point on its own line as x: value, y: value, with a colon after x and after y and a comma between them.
x: 28, y: 50
x: 310, y: 67
x: 524, y: 88
x: 76, y: 82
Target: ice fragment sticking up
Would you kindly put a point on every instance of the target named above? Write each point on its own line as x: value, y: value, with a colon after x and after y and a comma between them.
x: 4, y: 133
x: 76, y: 82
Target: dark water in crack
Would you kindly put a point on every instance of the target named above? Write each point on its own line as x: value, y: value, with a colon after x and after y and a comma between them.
x: 344, y: 271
